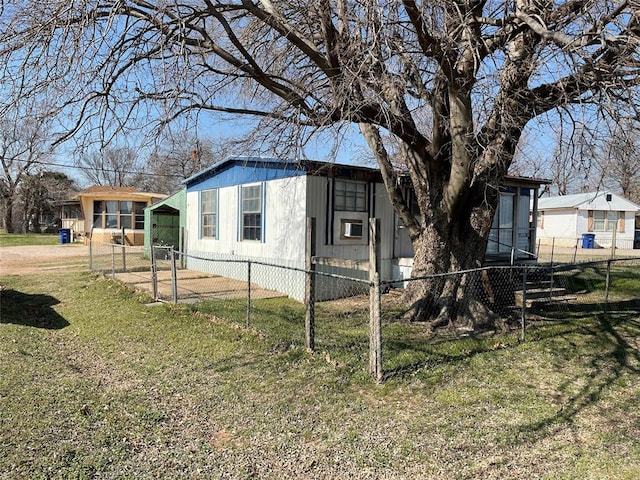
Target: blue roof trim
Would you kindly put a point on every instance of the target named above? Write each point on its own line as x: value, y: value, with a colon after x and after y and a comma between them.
x: 243, y: 170
x: 240, y: 171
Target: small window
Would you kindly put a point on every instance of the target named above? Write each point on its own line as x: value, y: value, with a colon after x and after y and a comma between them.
x: 98, y: 210
x: 604, y: 221
x: 125, y: 214
x: 111, y: 218
x: 209, y: 213
x: 350, y: 196
x: 139, y: 214
x: 252, y: 212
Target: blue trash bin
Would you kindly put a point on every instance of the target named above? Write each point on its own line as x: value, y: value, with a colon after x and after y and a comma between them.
x: 588, y: 240
x: 65, y: 235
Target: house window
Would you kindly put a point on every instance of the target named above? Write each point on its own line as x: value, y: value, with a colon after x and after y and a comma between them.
x: 111, y: 217
x: 209, y: 213
x: 604, y: 220
x: 252, y: 212
x: 126, y: 212
x: 98, y: 212
x: 350, y: 196
x: 138, y: 209
x: 118, y: 214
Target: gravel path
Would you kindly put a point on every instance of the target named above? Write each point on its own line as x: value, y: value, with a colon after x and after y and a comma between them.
x: 31, y: 259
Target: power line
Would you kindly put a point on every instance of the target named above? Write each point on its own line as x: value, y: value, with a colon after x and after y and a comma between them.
x: 109, y: 170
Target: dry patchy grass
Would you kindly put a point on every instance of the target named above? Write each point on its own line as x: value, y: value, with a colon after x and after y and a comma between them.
x: 93, y: 384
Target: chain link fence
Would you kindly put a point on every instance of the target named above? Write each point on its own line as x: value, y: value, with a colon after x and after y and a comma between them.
x: 517, y: 296
x: 340, y: 311
x: 127, y: 263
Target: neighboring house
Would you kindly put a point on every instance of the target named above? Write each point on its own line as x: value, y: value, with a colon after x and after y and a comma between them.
x: 256, y: 209
x: 164, y: 221
x: 111, y: 211
x: 588, y: 220
x: 71, y: 216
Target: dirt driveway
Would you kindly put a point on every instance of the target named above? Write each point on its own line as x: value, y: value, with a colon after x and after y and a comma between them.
x: 38, y: 258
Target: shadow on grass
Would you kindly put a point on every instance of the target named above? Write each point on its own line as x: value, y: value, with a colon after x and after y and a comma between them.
x: 614, y: 357
x: 459, y: 350
x: 560, y: 312
x: 30, y: 310
x: 424, y: 353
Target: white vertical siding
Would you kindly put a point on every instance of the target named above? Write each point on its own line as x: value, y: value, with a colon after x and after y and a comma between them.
x: 567, y: 226
x: 283, y: 236
x: 327, y: 222
x: 561, y: 227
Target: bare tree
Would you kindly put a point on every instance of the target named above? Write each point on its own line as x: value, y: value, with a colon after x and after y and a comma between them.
x: 619, y: 159
x: 482, y: 69
x: 177, y: 157
x: 38, y: 195
x: 111, y: 166
x: 23, y: 146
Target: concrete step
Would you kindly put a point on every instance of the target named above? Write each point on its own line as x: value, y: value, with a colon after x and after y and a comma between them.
x: 541, y: 292
x: 538, y: 302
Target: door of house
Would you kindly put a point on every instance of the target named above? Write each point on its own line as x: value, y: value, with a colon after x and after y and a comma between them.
x: 501, y: 234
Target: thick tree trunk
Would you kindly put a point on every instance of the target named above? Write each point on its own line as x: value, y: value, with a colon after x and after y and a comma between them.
x: 7, y: 219
x: 446, y: 288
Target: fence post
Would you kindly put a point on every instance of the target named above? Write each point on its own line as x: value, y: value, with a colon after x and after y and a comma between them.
x: 174, y: 277
x: 124, y: 253
x: 248, y: 293
x: 375, y: 331
x: 523, y: 317
x: 614, y: 240
x: 310, y: 287
x: 375, y: 313
x: 553, y: 245
x: 91, y: 250
x: 607, y: 284
x: 154, y: 274
x: 113, y: 261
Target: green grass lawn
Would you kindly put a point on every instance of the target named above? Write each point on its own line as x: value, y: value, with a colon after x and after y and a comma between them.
x: 18, y: 239
x: 93, y: 383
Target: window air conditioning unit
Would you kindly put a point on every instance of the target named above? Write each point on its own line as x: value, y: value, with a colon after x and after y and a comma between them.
x: 353, y: 230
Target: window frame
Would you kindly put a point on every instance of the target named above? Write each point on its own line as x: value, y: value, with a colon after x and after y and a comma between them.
x: 342, y: 196
x: 251, y: 219
x: 213, y: 214
x: 110, y: 210
x: 605, y: 220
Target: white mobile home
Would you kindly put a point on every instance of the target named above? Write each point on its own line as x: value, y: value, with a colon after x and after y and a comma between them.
x: 590, y: 220
x: 256, y: 208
